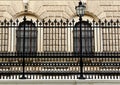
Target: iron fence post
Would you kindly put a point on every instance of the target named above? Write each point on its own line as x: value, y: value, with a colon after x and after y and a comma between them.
x: 81, y: 56
x: 23, y: 56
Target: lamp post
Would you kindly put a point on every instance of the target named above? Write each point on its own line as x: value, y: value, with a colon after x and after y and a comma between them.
x: 23, y: 53
x: 80, y: 10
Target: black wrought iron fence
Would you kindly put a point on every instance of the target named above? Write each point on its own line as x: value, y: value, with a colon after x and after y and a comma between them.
x: 52, y: 49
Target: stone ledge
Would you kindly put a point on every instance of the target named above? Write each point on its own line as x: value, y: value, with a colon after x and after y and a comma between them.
x: 59, y: 82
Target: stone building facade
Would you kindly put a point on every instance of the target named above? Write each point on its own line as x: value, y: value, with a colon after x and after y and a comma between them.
x: 45, y: 9
x: 57, y: 9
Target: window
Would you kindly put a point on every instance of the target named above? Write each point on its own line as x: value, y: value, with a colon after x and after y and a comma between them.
x: 87, y: 38
x: 26, y: 40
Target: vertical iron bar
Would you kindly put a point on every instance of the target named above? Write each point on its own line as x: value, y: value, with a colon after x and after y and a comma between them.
x: 23, y: 63
x: 61, y: 34
x: 58, y: 37
x: 52, y: 34
x: 49, y: 38
x: 81, y: 62
x: 67, y: 21
x: 55, y: 21
x: 64, y: 39
x: 24, y: 49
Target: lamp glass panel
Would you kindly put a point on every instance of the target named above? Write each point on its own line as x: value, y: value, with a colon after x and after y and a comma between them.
x: 80, y: 10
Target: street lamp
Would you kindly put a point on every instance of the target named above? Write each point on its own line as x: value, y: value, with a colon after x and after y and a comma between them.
x: 80, y: 10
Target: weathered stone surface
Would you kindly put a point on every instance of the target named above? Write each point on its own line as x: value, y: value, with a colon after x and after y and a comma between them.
x: 43, y: 9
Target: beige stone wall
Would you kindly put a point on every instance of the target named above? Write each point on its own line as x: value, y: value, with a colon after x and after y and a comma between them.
x: 44, y: 9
